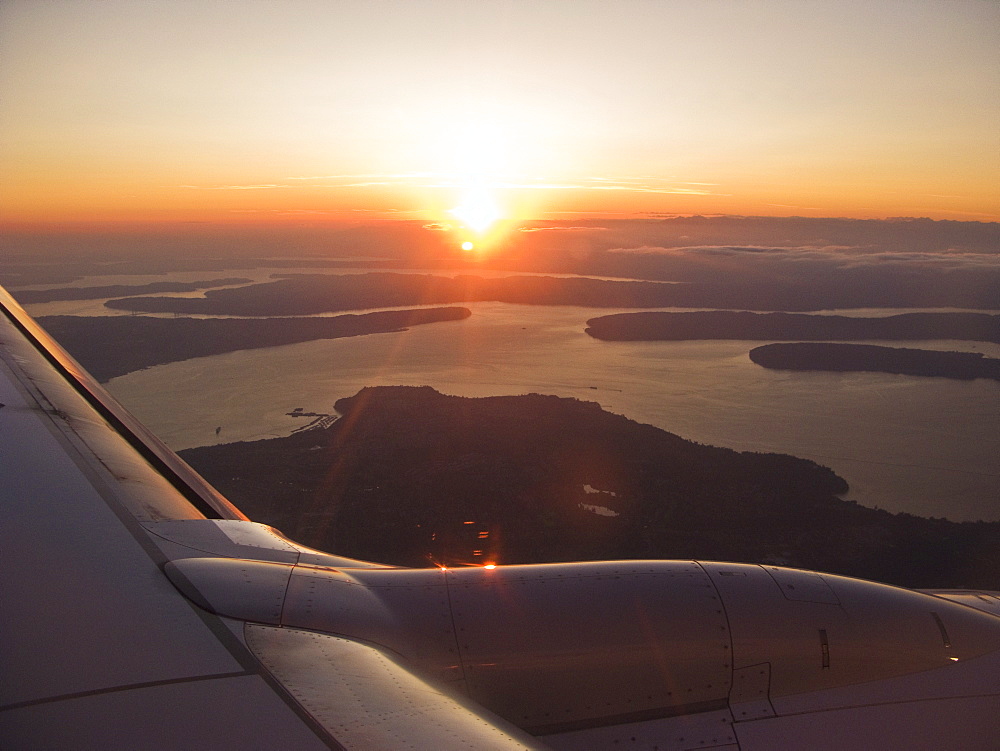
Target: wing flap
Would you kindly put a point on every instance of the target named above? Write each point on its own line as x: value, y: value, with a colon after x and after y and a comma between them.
x: 366, y: 700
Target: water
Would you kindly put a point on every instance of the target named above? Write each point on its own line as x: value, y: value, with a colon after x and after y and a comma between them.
x: 929, y: 446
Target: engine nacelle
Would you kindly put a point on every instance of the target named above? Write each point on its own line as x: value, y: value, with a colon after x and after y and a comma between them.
x: 558, y: 648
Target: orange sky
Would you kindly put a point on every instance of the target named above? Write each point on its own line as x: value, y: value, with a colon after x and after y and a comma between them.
x: 299, y: 111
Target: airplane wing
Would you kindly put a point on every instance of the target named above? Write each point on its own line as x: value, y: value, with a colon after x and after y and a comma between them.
x: 99, y: 650
x: 140, y: 609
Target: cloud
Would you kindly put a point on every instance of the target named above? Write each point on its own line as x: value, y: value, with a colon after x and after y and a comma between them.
x: 263, y: 186
x: 629, y: 185
x: 675, y: 215
x: 959, y: 213
x: 672, y: 191
x: 324, y: 212
x: 416, y: 179
x: 795, y: 260
x: 560, y: 229
x: 368, y: 176
x: 596, y: 212
x: 793, y: 206
x: 335, y: 177
x: 364, y: 180
x: 455, y: 180
x: 648, y: 180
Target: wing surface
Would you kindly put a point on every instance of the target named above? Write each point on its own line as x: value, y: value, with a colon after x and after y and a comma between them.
x: 99, y: 650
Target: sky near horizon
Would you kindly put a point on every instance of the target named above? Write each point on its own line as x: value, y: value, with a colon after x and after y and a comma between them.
x: 299, y: 110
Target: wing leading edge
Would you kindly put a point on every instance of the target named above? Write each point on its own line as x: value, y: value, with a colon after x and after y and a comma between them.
x: 100, y: 650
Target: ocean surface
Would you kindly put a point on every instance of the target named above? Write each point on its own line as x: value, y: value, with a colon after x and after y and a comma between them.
x: 927, y: 446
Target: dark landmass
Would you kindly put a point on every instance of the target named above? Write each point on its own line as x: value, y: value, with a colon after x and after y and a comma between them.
x: 29, y: 296
x: 194, y: 243
x: 319, y: 293
x: 109, y: 346
x: 725, y: 324
x: 13, y: 275
x: 866, y: 357
x: 409, y: 476
x: 754, y: 263
x: 17, y: 274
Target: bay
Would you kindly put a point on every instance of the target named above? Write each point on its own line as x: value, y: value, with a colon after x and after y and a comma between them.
x: 927, y: 446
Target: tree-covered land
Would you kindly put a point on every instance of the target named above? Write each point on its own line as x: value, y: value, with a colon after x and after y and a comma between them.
x: 868, y: 357
x: 110, y: 346
x: 411, y: 477
x: 729, y: 324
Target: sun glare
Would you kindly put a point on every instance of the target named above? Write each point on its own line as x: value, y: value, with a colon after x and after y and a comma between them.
x: 478, y: 211
x: 478, y: 155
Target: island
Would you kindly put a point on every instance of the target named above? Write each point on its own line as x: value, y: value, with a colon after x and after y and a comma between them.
x: 409, y: 476
x: 867, y: 357
x: 110, y: 346
x: 729, y: 324
x: 31, y: 296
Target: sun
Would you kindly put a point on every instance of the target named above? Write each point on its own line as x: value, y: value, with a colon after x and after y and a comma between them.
x: 478, y: 156
x: 478, y: 210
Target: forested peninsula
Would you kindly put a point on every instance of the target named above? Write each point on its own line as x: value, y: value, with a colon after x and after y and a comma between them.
x: 866, y: 357
x: 412, y: 477
x: 727, y: 324
x: 110, y: 346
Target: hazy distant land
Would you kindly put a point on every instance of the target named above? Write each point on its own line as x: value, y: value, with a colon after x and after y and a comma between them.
x: 109, y: 346
x: 742, y: 263
x: 864, y: 357
x: 67, y: 266
x: 319, y: 293
x: 724, y: 324
x: 308, y: 294
x: 30, y: 296
x: 414, y: 477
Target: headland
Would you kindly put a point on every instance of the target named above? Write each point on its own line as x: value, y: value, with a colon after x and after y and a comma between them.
x: 110, y: 346
x: 412, y: 477
x: 729, y: 324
